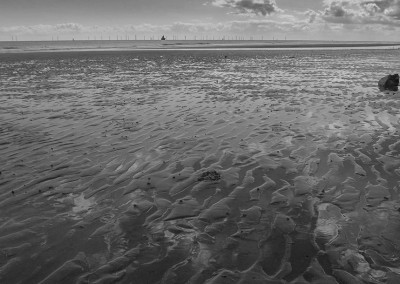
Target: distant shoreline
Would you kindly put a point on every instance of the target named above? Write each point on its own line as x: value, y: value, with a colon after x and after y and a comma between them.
x: 93, y: 45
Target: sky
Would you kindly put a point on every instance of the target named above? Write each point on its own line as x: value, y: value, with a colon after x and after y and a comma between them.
x: 377, y: 20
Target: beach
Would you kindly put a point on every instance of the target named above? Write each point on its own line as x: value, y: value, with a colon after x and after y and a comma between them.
x: 146, y: 165
x: 143, y: 45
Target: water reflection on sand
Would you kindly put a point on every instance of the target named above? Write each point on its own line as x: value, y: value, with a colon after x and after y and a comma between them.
x: 189, y: 167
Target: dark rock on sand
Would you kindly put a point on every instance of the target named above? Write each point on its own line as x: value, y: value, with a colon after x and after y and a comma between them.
x: 389, y: 83
x: 210, y: 176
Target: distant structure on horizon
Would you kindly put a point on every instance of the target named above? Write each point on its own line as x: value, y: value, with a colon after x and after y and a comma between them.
x: 163, y: 38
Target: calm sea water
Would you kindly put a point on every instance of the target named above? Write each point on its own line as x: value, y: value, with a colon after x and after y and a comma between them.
x: 199, y: 167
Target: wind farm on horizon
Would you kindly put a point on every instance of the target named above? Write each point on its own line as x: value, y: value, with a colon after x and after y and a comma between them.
x: 135, y: 37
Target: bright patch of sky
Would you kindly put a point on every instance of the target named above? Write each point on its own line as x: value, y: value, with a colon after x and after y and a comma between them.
x: 294, y: 19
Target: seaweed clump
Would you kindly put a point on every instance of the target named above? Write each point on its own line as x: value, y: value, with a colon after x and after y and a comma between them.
x: 210, y: 176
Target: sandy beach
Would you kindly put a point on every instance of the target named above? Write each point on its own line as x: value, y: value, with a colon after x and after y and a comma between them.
x: 125, y: 45
x: 199, y: 166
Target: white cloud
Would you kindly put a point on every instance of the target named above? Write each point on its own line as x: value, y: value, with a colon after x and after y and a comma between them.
x: 247, y: 27
x: 258, y: 7
x: 390, y: 8
x: 311, y: 15
x: 361, y: 12
x: 44, y: 29
x: 69, y: 27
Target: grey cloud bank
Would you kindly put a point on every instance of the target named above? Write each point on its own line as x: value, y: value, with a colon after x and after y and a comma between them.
x: 259, y: 7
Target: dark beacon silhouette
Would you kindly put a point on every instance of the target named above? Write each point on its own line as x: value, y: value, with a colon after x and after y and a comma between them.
x: 163, y: 38
x: 389, y: 83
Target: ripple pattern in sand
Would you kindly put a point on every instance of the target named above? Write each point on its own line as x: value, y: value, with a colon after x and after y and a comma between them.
x: 189, y: 167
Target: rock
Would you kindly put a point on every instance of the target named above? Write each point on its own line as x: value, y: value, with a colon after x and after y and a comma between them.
x: 390, y: 83
x: 210, y: 176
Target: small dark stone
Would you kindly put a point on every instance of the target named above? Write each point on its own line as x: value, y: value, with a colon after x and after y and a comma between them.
x: 210, y: 176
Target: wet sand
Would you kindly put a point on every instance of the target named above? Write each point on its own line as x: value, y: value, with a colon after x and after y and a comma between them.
x: 124, y: 45
x: 199, y: 167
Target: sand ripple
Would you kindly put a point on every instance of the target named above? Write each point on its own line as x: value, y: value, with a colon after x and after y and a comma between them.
x: 189, y: 167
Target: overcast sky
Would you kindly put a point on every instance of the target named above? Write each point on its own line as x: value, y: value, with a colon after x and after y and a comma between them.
x: 267, y: 19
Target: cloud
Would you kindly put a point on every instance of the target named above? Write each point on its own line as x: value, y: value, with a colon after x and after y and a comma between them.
x: 258, y: 7
x: 44, y: 29
x: 361, y: 12
x: 311, y: 15
x: 390, y: 8
x: 284, y: 24
x: 69, y: 27
x: 362, y: 20
x: 337, y: 9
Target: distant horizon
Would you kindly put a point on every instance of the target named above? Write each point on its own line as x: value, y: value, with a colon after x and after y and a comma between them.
x: 205, y: 40
x: 7, y: 47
